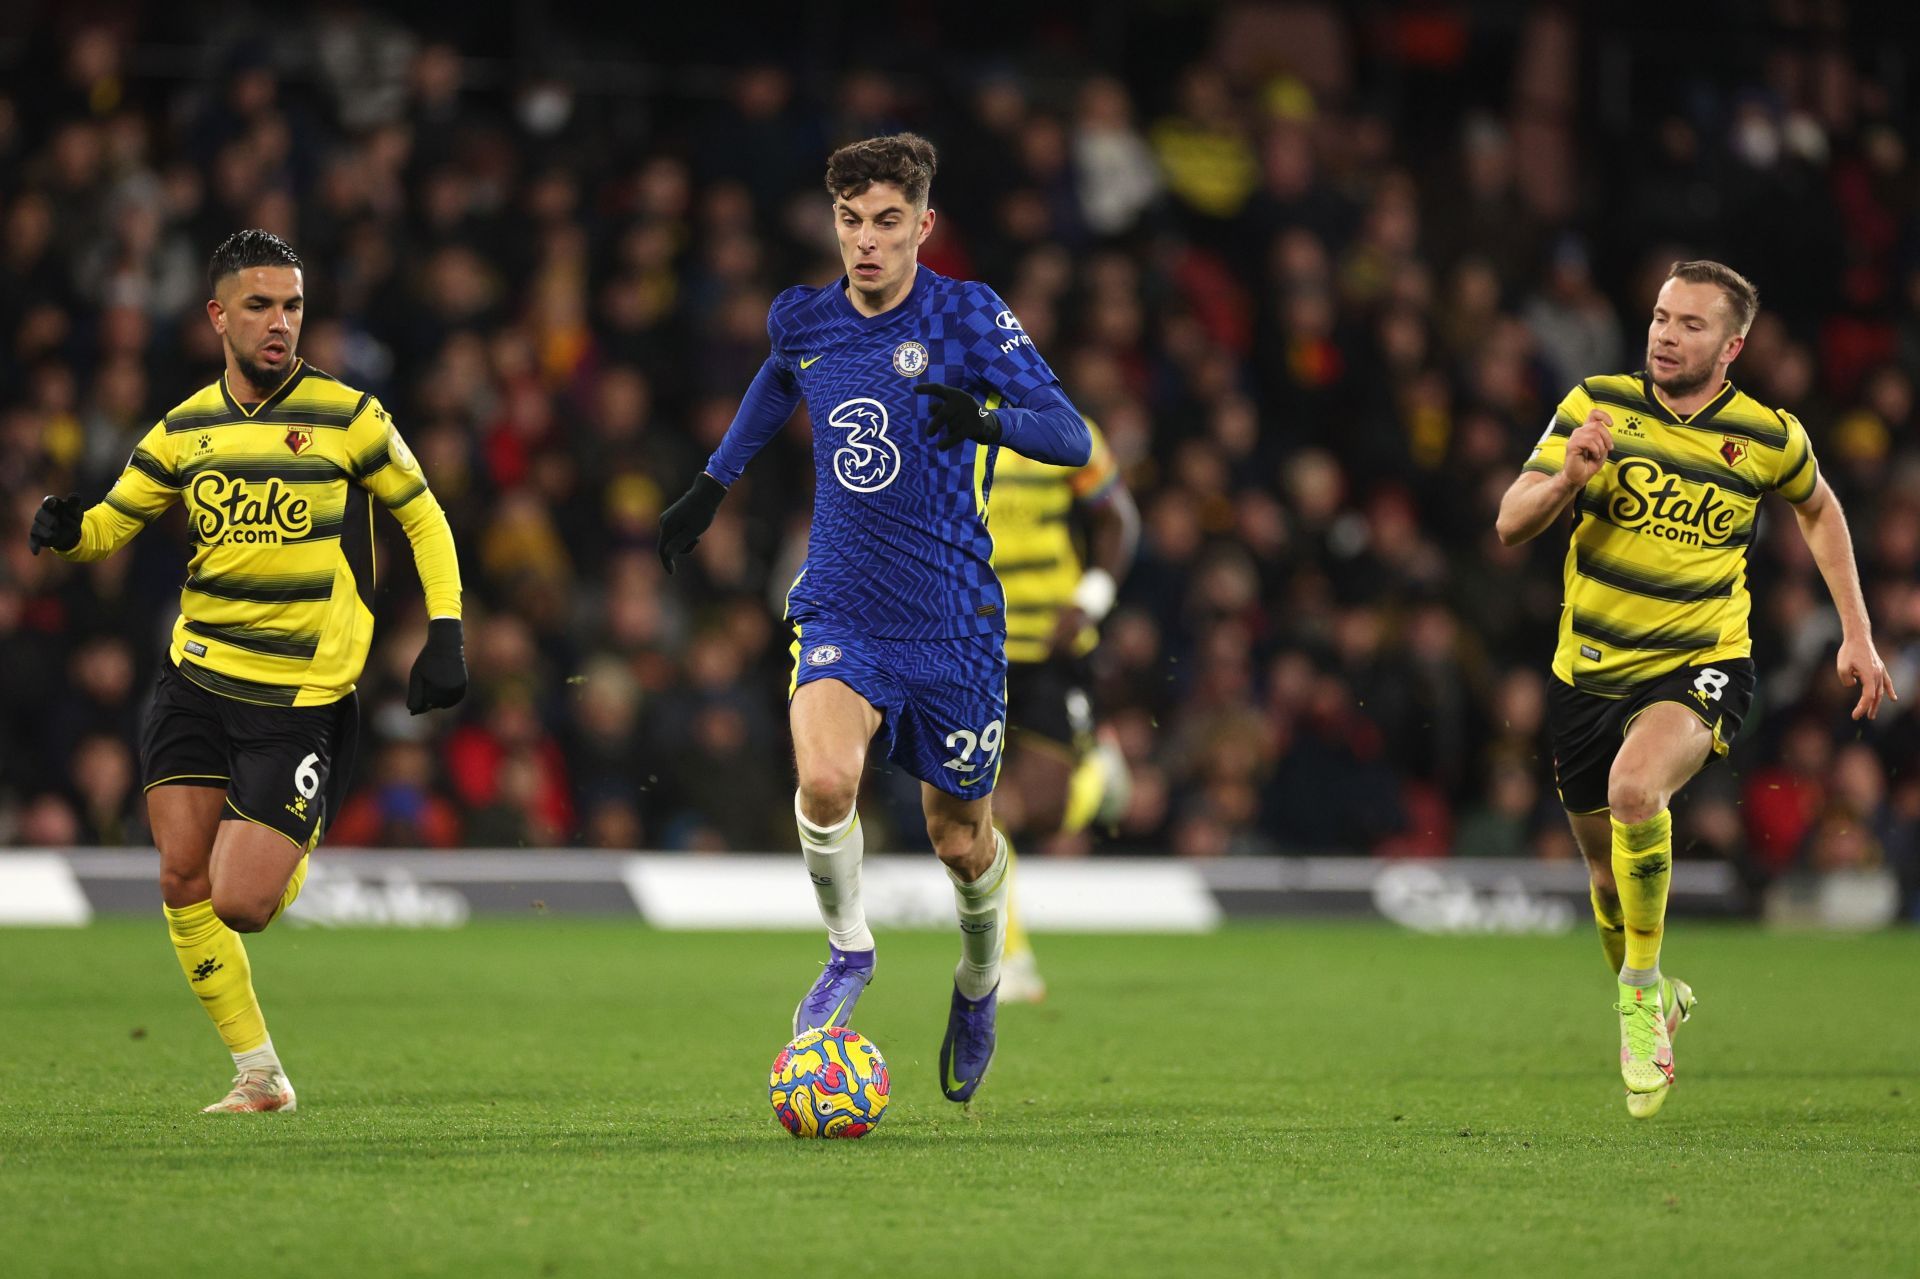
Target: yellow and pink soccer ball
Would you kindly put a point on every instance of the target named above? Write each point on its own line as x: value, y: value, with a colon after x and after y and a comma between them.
x: 829, y: 1083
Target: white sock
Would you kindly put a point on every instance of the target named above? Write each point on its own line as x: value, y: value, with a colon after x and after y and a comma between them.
x: 833, y: 863
x: 261, y: 1058
x: 982, y: 907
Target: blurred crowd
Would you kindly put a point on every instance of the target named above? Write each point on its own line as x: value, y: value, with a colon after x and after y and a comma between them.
x: 1321, y: 282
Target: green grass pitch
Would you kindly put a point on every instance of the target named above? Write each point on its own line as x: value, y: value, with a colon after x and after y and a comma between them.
x: 552, y: 1097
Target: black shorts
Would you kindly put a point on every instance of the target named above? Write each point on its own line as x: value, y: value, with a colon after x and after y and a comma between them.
x: 284, y: 766
x: 1049, y: 701
x: 1587, y: 729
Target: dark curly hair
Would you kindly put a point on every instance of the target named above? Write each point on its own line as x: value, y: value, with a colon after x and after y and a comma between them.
x: 242, y: 249
x: 906, y: 160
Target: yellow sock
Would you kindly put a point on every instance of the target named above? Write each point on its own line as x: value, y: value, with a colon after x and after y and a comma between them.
x: 294, y: 883
x: 1017, y: 940
x: 215, y: 962
x: 1642, y: 869
x: 1084, y: 793
x: 1613, y: 929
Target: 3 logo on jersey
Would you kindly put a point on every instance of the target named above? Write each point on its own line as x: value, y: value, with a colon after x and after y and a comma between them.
x: 868, y: 461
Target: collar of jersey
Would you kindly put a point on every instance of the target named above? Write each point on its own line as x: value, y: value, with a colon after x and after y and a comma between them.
x: 1699, y: 417
x: 233, y: 405
x: 844, y: 304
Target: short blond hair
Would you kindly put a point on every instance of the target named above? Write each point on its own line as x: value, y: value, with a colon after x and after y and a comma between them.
x: 1742, y: 298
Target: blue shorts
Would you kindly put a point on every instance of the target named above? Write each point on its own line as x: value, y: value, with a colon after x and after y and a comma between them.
x: 943, y: 702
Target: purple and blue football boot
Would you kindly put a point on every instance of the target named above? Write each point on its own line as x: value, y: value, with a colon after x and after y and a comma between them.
x: 967, y: 1050
x: 831, y: 1001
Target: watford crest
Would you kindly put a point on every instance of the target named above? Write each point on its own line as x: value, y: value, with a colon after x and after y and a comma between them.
x: 300, y: 438
x: 1733, y: 450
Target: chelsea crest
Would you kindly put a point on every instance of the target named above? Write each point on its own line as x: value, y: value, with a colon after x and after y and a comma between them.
x: 909, y: 359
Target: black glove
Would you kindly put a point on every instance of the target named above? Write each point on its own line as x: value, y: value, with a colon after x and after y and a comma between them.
x: 439, y: 677
x: 682, y: 523
x: 958, y: 416
x: 56, y: 524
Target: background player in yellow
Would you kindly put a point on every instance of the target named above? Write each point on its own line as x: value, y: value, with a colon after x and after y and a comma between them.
x: 248, y: 744
x: 1665, y: 470
x: 1060, y: 775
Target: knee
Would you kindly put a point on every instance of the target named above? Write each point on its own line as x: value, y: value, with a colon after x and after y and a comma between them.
x: 1633, y: 799
x: 183, y: 888
x: 829, y: 788
x: 244, y: 917
x: 965, y: 847
x: 827, y: 796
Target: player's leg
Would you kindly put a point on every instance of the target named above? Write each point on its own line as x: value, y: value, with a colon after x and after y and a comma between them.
x: 977, y: 858
x: 185, y: 819
x: 951, y: 734
x: 1040, y: 771
x: 290, y: 766
x: 252, y: 868
x: 1666, y: 744
x: 1049, y: 761
x: 184, y: 762
x: 346, y: 745
x: 1586, y: 733
x: 979, y: 861
x: 1020, y: 979
x: 1593, y: 832
x: 832, y: 725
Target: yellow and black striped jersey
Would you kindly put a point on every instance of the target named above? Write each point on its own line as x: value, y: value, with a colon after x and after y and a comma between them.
x: 1656, y: 565
x: 1033, y: 551
x: 275, y: 608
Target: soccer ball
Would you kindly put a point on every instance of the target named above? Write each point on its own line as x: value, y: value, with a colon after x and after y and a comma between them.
x: 829, y: 1083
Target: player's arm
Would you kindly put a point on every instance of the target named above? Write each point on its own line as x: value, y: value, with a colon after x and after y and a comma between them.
x: 1044, y: 425
x: 1560, y: 467
x: 387, y: 468
x: 145, y: 489
x: 1034, y: 417
x: 1824, y: 526
x: 765, y: 408
x: 1113, y: 538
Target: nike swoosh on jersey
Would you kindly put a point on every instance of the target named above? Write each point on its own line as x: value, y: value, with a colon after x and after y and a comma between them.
x: 974, y: 781
x: 807, y: 362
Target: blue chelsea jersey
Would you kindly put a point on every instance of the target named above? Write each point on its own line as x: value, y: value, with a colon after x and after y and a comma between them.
x: 899, y: 545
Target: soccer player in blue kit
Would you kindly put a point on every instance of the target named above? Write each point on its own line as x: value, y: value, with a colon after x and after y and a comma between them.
x: 914, y: 382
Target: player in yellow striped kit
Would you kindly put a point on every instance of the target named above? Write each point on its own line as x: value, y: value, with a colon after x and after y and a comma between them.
x: 249, y: 742
x: 1059, y: 776
x: 1664, y: 470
